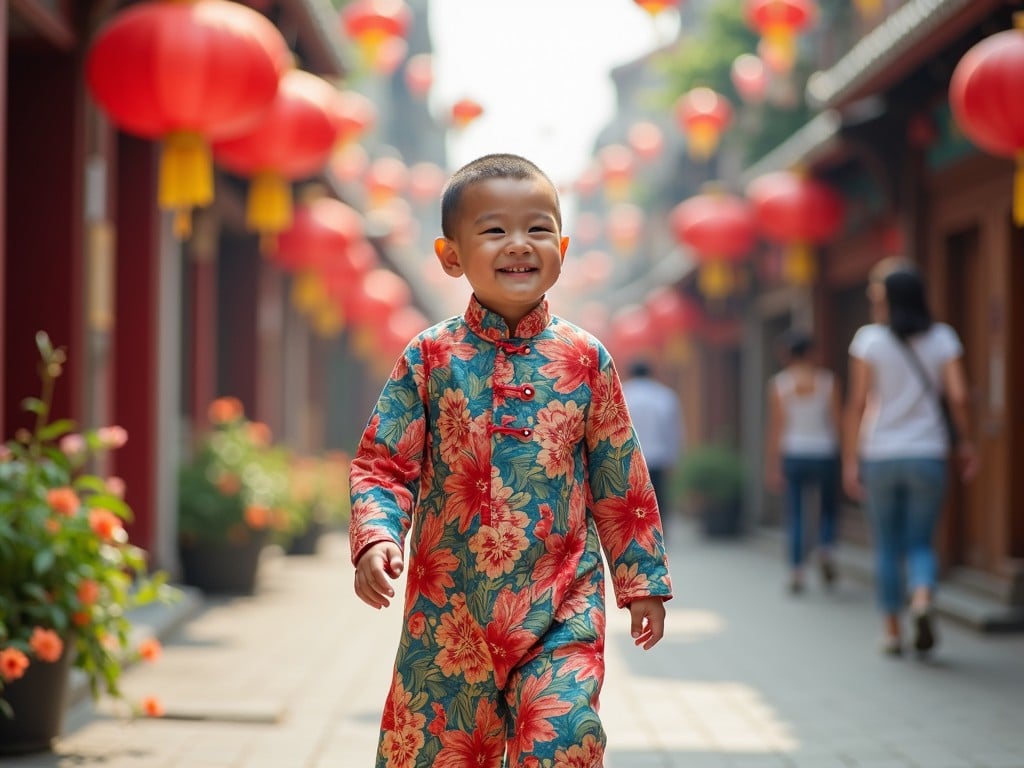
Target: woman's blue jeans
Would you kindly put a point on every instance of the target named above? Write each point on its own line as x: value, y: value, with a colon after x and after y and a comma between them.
x: 800, y: 473
x: 904, y: 500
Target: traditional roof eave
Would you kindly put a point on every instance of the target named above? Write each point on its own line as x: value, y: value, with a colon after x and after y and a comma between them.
x: 815, y: 139
x: 908, y: 37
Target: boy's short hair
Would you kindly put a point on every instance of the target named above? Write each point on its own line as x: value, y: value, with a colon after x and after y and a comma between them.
x: 494, y: 166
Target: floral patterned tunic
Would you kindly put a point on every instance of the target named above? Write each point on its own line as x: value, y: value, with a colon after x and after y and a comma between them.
x: 520, y: 461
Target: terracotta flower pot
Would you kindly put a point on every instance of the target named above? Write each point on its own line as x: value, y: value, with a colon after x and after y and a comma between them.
x: 38, y: 699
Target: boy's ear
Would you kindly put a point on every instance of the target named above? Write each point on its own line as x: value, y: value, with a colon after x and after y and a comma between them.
x: 564, y: 247
x: 448, y: 256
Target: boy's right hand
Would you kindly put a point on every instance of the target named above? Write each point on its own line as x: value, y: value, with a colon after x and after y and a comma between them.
x: 377, y: 563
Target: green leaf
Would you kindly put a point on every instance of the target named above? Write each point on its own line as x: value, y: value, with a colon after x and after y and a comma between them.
x: 56, y: 429
x: 43, y: 561
x: 43, y: 344
x: 34, y: 405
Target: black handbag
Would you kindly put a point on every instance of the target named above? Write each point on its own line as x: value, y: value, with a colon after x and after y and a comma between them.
x: 939, y: 397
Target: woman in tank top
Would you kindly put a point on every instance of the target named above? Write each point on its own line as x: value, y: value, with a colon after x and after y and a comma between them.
x: 802, y: 452
x: 895, y: 444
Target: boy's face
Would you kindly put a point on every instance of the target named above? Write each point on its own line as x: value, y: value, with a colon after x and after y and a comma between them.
x: 507, y: 243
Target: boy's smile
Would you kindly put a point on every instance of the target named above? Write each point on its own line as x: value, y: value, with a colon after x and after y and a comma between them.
x: 507, y: 242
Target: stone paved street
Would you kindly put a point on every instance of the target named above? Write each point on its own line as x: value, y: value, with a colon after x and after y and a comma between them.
x: 747, y: 677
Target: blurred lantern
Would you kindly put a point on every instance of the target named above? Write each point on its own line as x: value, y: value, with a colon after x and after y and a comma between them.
x: 402, y: 325
x: 322, y: 230
x: 188, y: 73
x: 646, y: 140
x: 597, y: 268
x: 327, y: 320
x: 390, y: 54
x: 308, y: 291
x: 779, y: 22
x: 721, y: 228
x: 674, y: 319
x: 587, y: 228
x: 589, y: 181
x: 749, y: 78
x: 654, y: 7
x: 349, y: 163
x: 343, y: 274
x: 426, y: 180
x: 378, y: 294
x: 292, y: 141
x: 985, y: 97
x: 372, y: 24
x: 394, y: 222
x: 702, y: 115
x: 798, y: 212
x: 625, y: 224
x: 617, y: 165
x: 631, y: 333
x: 419, y: 74
x: 386, y: 178
x: 464, y: 112
x: 355, y: 114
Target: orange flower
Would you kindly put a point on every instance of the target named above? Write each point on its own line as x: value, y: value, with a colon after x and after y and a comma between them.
x: 417, y: 624
x: 150, y: 649
x: 257, y: 517
x: 63, y: 501
x: 13, y: 664
x: 81, y: 618
x: 88, y: 592
x: 46, y: 644
x: 105, y: 524
x: 280, y: 519
x: 153, y: 707
x: 53, y: 526
x: 224, y: 410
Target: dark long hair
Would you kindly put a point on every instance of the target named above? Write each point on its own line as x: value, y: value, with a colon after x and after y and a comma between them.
x: 908, y: 306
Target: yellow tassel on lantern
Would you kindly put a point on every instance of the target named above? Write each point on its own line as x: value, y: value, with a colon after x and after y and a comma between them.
x: 869, y: 9
x: 1018, y: 191
x: 679, y: 349
x: 798, y: 266
x: 778, y: 47
x: 327, y: 321
x: 269, y: 207
x: 702, y: 140
x: 186, y: 178
x: 308, y: 292
x: 715, y: 279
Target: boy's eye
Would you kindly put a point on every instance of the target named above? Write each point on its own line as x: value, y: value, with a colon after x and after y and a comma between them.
x: 494, y: 231
x: 539, y: 228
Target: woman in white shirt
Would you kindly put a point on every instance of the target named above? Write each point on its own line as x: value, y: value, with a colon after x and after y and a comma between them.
x: 802, y: 451
x: 896, y: 444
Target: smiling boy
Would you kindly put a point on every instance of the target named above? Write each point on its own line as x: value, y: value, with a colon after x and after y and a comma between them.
x: 502, y: 445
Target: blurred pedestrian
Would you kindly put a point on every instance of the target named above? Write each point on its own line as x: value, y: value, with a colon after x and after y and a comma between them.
x: 802, y: 451
x: 896, y: 442
x: 658, y: 420
x: 502, y: 444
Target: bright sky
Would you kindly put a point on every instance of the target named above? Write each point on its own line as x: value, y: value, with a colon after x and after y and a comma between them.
x: 540, y: 69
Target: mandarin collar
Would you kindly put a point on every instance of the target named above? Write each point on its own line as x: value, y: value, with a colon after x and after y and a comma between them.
x: 490, y: 325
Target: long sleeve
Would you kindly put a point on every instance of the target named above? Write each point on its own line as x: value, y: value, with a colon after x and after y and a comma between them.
x: 384, y: 479
x: 621, y: 495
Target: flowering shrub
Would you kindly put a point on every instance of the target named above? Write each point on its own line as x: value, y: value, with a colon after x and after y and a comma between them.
x: 68, y: 574
x: 318, y: 491
x: 236, y: 483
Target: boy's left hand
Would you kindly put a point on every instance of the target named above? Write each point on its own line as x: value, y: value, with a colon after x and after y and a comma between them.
x: 648, y: 621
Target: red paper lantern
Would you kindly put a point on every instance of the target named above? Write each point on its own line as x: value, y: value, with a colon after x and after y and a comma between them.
x: 373, y: 23
x: 646, y: 140
x: 426, y: 180
x: 749, y: 78
x: 799, y: 212
x: 187, y: 73
x: 293, y: 141
x: 654, y: 7
x: 378, y: 294
x: 386, y: 178
x: 779, y: 22
x: 721, y: 229
x: 671, y: 312
x: 350, y: 162
x: 322, y: 231
x: 589, y: 181
x: 419, y: 74
x: 355, y: 114
x: 631, y: 333
x: 465, y: 111
x: 625, y: 224
x: 702, y: 115
x: 985, y: 98
x: 617, y: 167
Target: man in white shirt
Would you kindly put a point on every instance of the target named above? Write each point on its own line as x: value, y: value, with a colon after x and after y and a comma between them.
x: 658, y: 420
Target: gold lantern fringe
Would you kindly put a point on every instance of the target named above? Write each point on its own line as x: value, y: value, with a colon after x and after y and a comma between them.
x: 702, y: 140
x: 798, y: 266
x: 269, y: 206
x: 715, y: 279
x: 186, y: 177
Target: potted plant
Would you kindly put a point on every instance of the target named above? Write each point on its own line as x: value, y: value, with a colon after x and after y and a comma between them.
x: 231, y: 495
x: 68, y: 573
x: 319, y: 499
x: 712, y: 479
